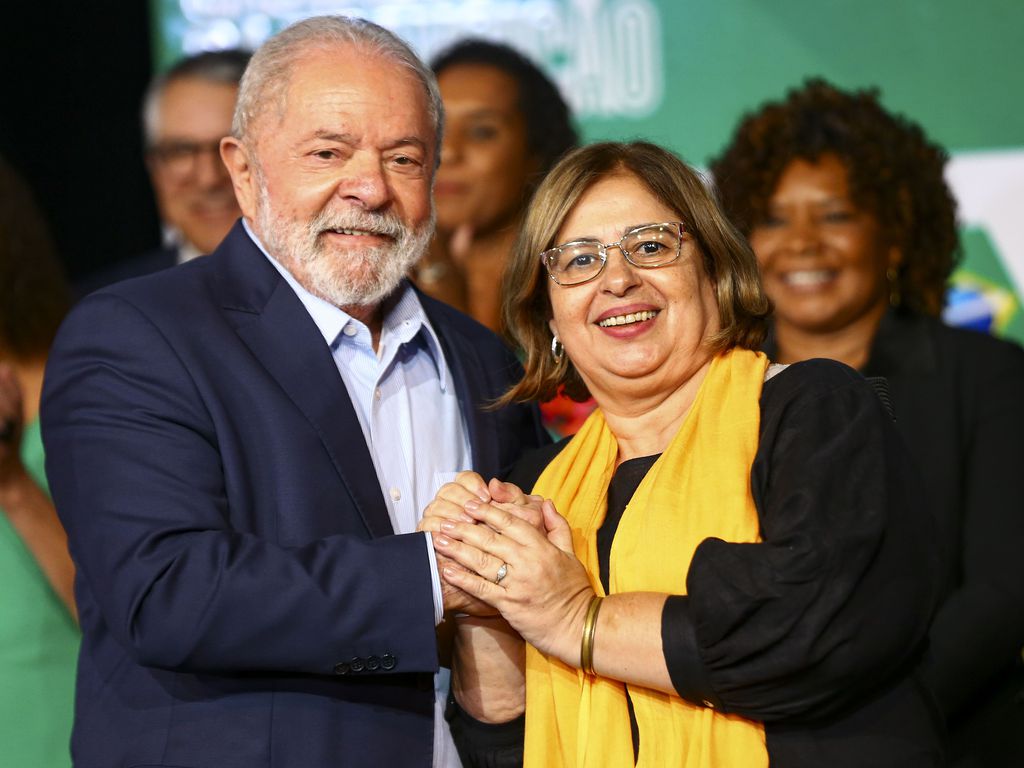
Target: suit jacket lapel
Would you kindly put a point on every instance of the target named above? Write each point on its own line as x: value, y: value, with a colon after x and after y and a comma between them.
x: 272, y: 322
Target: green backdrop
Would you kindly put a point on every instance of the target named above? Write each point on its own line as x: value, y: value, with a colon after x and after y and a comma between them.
x: 681, y: 72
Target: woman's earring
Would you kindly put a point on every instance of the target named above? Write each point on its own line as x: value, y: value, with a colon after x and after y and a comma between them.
x: 892, y: 275
x: 557, y: 350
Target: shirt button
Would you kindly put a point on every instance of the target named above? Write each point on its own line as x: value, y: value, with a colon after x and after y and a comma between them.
x: 396, y: 495
x: 350, y: 330
x: 376, y: 393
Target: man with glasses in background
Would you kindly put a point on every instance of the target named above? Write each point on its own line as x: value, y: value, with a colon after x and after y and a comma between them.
x: 185, y: 113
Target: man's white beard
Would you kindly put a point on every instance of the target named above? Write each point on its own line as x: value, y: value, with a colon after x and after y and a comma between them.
x: 362, y: 277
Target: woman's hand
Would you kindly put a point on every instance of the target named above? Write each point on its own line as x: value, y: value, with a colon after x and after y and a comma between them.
x: 452, y: 498
x: 543, y: 591
x: 450, y: 504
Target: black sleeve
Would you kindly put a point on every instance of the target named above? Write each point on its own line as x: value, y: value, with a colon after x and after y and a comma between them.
x: 838, y: 595
x: 485, y: 745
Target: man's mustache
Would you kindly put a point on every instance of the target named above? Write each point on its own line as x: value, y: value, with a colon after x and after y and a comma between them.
x: 384, y: 224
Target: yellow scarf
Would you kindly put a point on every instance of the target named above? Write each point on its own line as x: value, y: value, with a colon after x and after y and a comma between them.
x: 699, y: 487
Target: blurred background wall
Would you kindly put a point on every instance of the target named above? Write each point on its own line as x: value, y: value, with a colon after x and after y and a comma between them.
x: 72, y: 75
x: 679, y: 72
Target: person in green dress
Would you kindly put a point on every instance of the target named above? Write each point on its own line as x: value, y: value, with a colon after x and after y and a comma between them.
x: 38, y: 624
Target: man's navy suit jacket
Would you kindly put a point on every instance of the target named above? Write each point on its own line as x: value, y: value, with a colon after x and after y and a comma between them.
x: 243, y: 598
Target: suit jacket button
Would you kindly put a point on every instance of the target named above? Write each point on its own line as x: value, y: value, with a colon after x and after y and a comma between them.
x: 341, y: 668
x: 372, y: 664
x: 356, y: 664
x: 387, y: 662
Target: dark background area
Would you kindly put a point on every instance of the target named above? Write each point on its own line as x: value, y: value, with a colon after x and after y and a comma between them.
x: 73, y: 75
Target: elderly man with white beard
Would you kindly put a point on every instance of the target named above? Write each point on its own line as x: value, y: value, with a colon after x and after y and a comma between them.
x: 241, y: 447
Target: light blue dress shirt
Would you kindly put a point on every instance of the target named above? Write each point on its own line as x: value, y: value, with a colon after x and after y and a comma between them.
x: 405, y: 400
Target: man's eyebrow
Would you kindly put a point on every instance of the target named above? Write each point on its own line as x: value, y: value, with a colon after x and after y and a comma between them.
x: 344, y: 138
x: 348, y: 138
x: 407, y: 140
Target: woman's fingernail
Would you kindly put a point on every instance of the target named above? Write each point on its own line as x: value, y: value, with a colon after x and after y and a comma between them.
x: 442, y: 541
x: 472, y: 505
x: 447, y: 525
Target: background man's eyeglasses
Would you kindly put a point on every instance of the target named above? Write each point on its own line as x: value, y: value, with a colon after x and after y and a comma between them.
x: 181, y: 158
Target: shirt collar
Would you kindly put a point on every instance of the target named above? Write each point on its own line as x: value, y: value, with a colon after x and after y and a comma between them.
x: 404, y: 316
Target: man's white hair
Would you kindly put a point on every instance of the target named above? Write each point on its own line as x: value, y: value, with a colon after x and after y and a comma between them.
x: 266, y: 78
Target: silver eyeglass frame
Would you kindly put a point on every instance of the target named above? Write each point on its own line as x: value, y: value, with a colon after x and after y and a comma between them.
x: 602, y: 251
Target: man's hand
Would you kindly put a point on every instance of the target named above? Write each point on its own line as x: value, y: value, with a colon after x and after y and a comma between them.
x: 449, y: 505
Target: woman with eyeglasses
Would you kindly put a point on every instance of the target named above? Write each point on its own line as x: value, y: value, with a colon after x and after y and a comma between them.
x: 728, y: 565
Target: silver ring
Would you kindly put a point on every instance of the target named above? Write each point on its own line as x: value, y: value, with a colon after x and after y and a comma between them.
x: 502, y: 573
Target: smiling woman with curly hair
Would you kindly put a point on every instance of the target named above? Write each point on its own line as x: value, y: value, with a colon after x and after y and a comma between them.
x: 854, y: 229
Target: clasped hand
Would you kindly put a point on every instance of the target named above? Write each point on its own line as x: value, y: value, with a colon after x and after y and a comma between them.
x: 479, y: 527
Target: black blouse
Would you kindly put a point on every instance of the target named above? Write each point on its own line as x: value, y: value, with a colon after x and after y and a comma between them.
x: 818, y: 630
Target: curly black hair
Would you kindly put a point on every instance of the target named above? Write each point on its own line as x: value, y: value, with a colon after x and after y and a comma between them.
x: 34, y: 294
x: 894, y: 171
x: 549, y: 129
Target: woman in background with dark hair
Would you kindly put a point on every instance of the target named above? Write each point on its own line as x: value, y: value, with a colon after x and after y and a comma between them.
x: 505, y: 126
x: 854, y: 229
x: 38, y: 635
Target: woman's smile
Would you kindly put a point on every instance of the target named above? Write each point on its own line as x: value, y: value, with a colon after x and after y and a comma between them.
x: 632, y: 319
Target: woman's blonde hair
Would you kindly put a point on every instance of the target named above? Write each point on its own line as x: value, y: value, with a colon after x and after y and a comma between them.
x: 728, y: 261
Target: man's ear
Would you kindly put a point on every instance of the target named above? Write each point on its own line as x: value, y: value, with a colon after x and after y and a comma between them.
x: 237, y: 159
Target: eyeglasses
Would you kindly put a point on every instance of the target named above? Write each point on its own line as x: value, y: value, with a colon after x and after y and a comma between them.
x: 646, y: 246
x: 181, y: 158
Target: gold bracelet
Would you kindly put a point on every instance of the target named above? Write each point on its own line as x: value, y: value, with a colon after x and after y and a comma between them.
x: 589, y: 630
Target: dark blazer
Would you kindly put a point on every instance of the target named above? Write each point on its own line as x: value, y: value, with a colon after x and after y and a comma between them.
x: 958, y: 397
x: 959, y: 401
x: 244, y: 601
